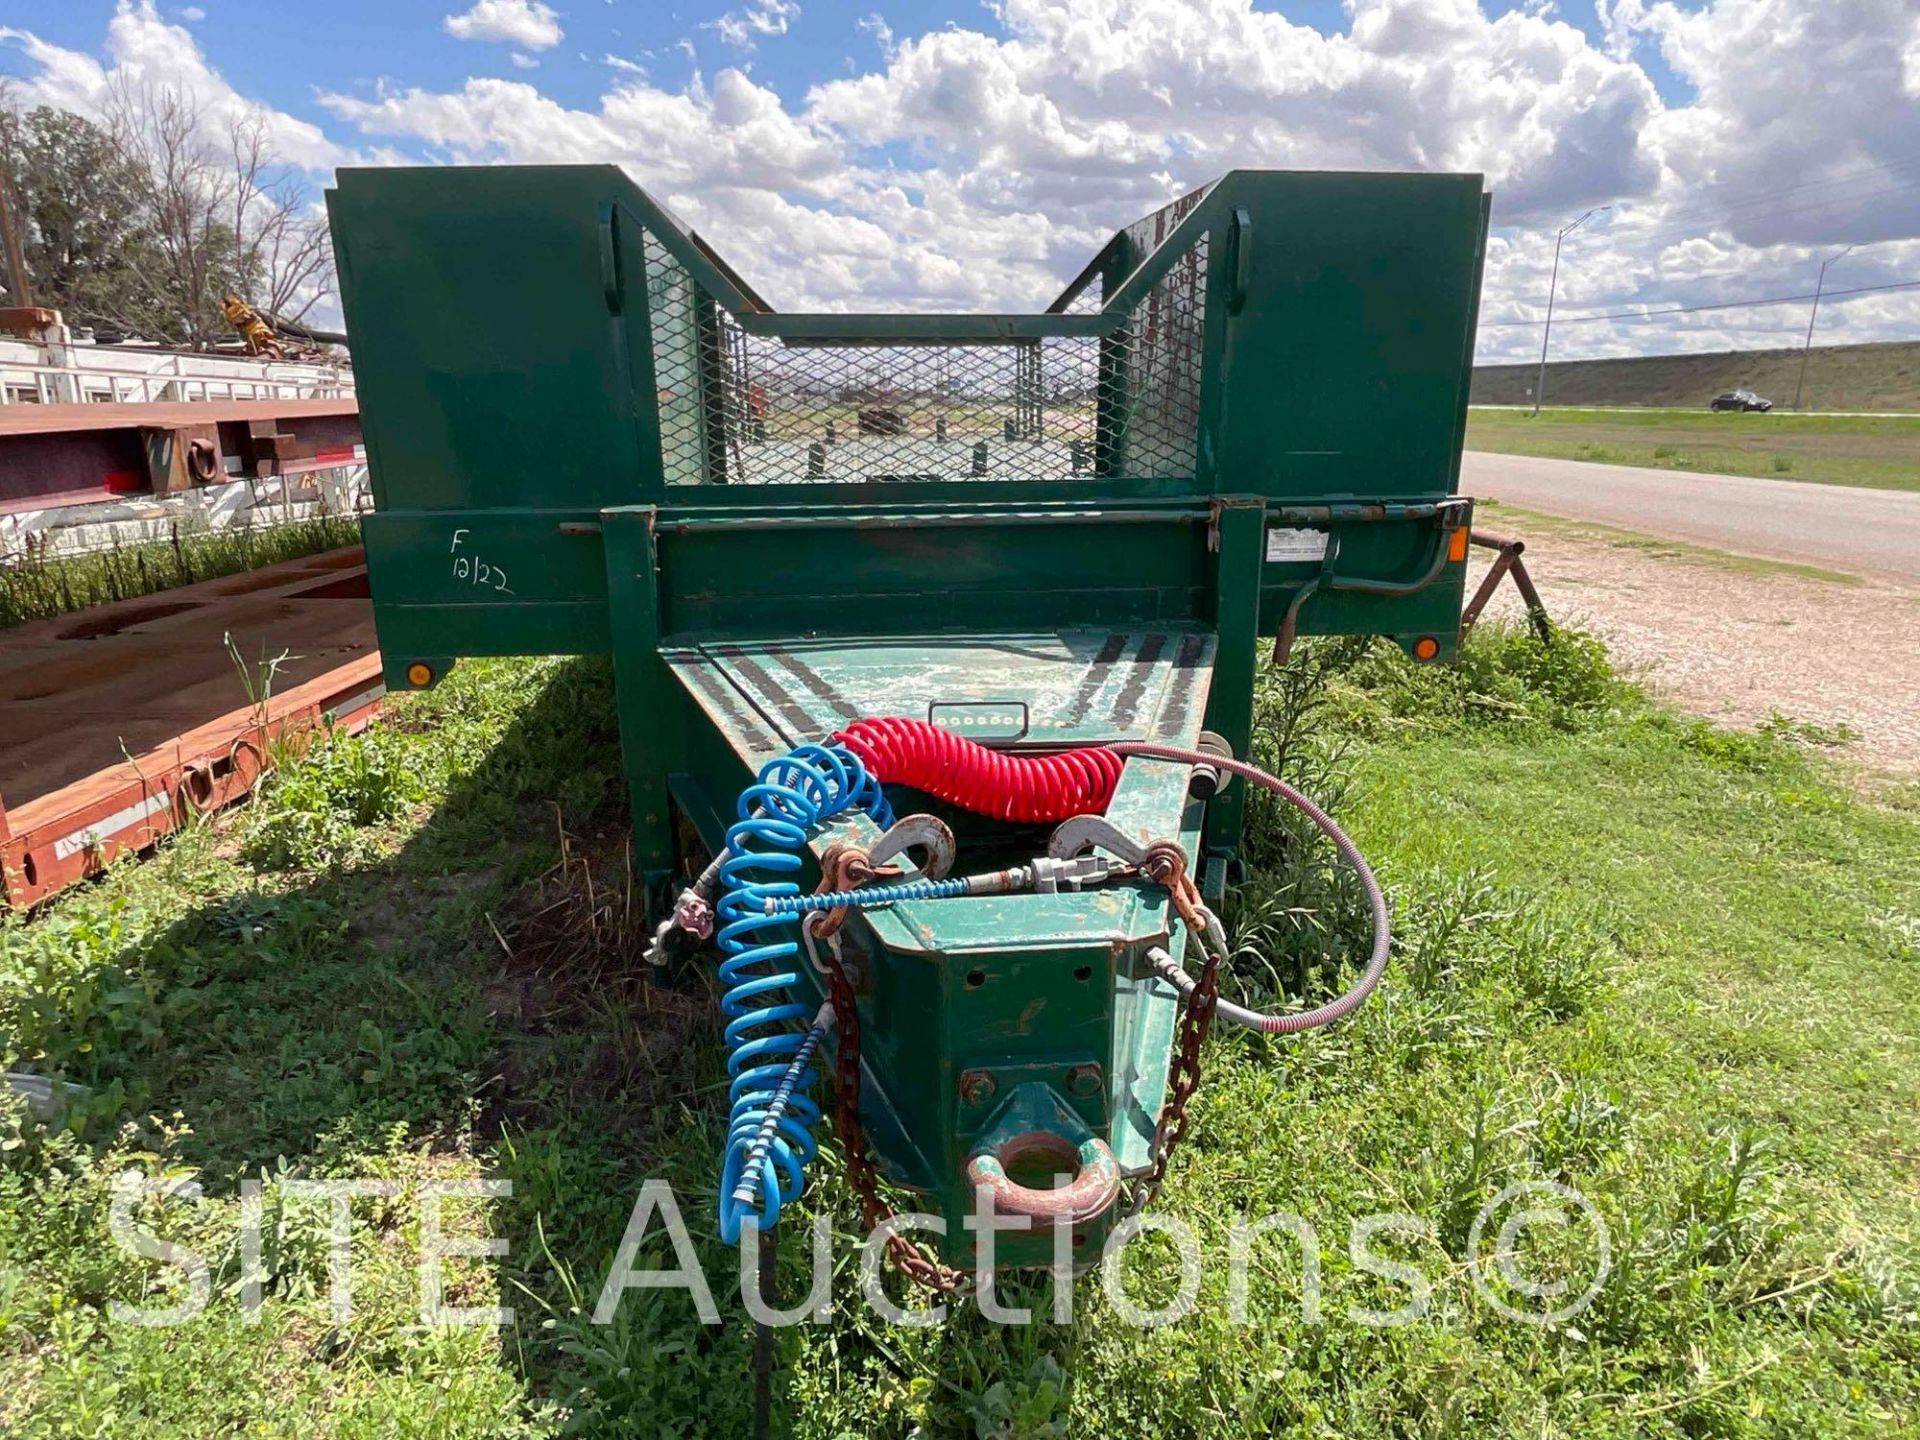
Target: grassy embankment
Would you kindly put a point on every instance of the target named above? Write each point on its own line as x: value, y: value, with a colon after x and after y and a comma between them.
x: 1882, y: 452
x: 1674, y: 967
x: 1881, y: 376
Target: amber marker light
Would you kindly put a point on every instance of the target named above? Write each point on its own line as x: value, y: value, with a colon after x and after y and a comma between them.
x: 420, y: 673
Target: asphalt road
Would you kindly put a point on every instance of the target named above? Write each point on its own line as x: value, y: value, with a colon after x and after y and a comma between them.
x: 1838, y: 527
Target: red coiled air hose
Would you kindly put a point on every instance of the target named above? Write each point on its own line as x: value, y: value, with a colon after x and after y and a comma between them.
x: 987, y: 782
x: 1078, y: 782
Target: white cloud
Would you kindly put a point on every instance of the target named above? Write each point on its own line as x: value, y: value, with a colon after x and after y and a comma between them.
x: 523, y: 62
x: 191, y: 13
x: 876, y: 25
x: 743, y: 27
x: 518, y: 22
x: 1791, y: 97
x: 977, y: 167
x: 141, y: 48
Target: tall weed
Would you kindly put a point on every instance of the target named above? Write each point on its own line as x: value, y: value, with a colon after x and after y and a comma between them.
x: 316, y: 812
x: 1504, y: 675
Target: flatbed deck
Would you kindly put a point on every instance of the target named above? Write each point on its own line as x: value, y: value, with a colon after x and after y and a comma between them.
x: 1051, y: 689
x: 124, y: 719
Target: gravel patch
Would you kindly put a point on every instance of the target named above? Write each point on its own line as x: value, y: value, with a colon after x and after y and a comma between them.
x: 1733, y: 639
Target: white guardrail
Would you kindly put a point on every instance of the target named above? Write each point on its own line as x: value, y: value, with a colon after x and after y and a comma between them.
x: 56, y: 372
x: 70, y: 530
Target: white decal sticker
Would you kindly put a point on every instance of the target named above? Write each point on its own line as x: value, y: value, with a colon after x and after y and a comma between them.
x: 1292, y: 546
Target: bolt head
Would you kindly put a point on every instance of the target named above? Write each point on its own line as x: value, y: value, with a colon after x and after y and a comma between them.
x: 976, y: 1085
x: 1084, y: 1080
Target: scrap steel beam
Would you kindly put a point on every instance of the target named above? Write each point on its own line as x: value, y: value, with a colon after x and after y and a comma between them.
x: 1508, y: 563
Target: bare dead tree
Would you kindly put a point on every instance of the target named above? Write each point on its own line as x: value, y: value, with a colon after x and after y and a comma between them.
x: 225, y: 215
x: 283, y: 233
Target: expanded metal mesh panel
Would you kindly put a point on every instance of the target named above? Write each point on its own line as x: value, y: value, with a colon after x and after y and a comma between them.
x: 1162, y: 349
x: 674, y: 305
x: 1090, y: 301
x: 745, y: 409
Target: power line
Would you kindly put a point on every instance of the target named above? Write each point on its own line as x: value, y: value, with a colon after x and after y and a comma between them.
x: 1698, y: 309
x: 1708, y: 223
x: 1703, y: 206
x: 1711, y: 186
x: 1703, y: 219
x: 1885, y: 169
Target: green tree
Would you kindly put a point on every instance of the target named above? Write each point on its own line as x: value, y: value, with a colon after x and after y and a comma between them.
x: 143, y: 223
x: 80, y: 208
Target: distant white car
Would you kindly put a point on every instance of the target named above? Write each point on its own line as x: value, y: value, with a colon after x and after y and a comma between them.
x: 1741, y: 400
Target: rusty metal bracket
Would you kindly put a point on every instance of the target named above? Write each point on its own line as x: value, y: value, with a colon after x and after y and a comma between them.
x: 1509, y: 563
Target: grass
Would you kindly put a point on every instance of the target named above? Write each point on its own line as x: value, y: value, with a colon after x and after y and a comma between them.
x: 1874, y: 451
x: 40, y: 585
x: 1674, y: 966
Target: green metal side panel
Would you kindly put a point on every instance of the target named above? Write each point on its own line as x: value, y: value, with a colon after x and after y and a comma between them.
x: 1341, y: 373
x: 491, y: 340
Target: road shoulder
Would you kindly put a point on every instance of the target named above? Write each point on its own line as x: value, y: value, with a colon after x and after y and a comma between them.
x: 1742, y: 641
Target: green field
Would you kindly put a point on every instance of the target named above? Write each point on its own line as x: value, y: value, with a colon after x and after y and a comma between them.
x: 1674, y: 967
x: 1882, y: 452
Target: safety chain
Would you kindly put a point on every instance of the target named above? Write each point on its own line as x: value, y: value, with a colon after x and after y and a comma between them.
x: 861, y: 1174
x: 1166, y: 863
x: 841, y: 868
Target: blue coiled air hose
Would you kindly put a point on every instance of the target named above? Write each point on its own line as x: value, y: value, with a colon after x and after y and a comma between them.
x: 868, y: 898
x: 769, y: 1061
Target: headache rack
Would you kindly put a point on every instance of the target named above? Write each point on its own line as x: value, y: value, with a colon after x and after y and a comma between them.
x: 748, y: 397
x: 587, y: 432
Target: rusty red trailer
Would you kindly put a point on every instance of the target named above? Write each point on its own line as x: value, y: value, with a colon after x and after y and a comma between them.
x: 125, y: 721
x: 71, y: 454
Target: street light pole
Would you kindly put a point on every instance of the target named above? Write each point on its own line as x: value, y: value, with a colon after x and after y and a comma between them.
x: 1540, y: 390
x: 1819, y: 285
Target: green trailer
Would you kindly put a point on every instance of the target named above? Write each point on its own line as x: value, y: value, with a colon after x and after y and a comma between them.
x: 1013, y: 538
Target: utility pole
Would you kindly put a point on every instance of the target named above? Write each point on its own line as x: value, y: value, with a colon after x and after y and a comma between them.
x: 1540, y: 390
x: 1821, y: 284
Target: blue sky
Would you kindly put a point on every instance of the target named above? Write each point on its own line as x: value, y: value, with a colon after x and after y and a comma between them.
x: 349, y: 44
x: 950, y: 154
